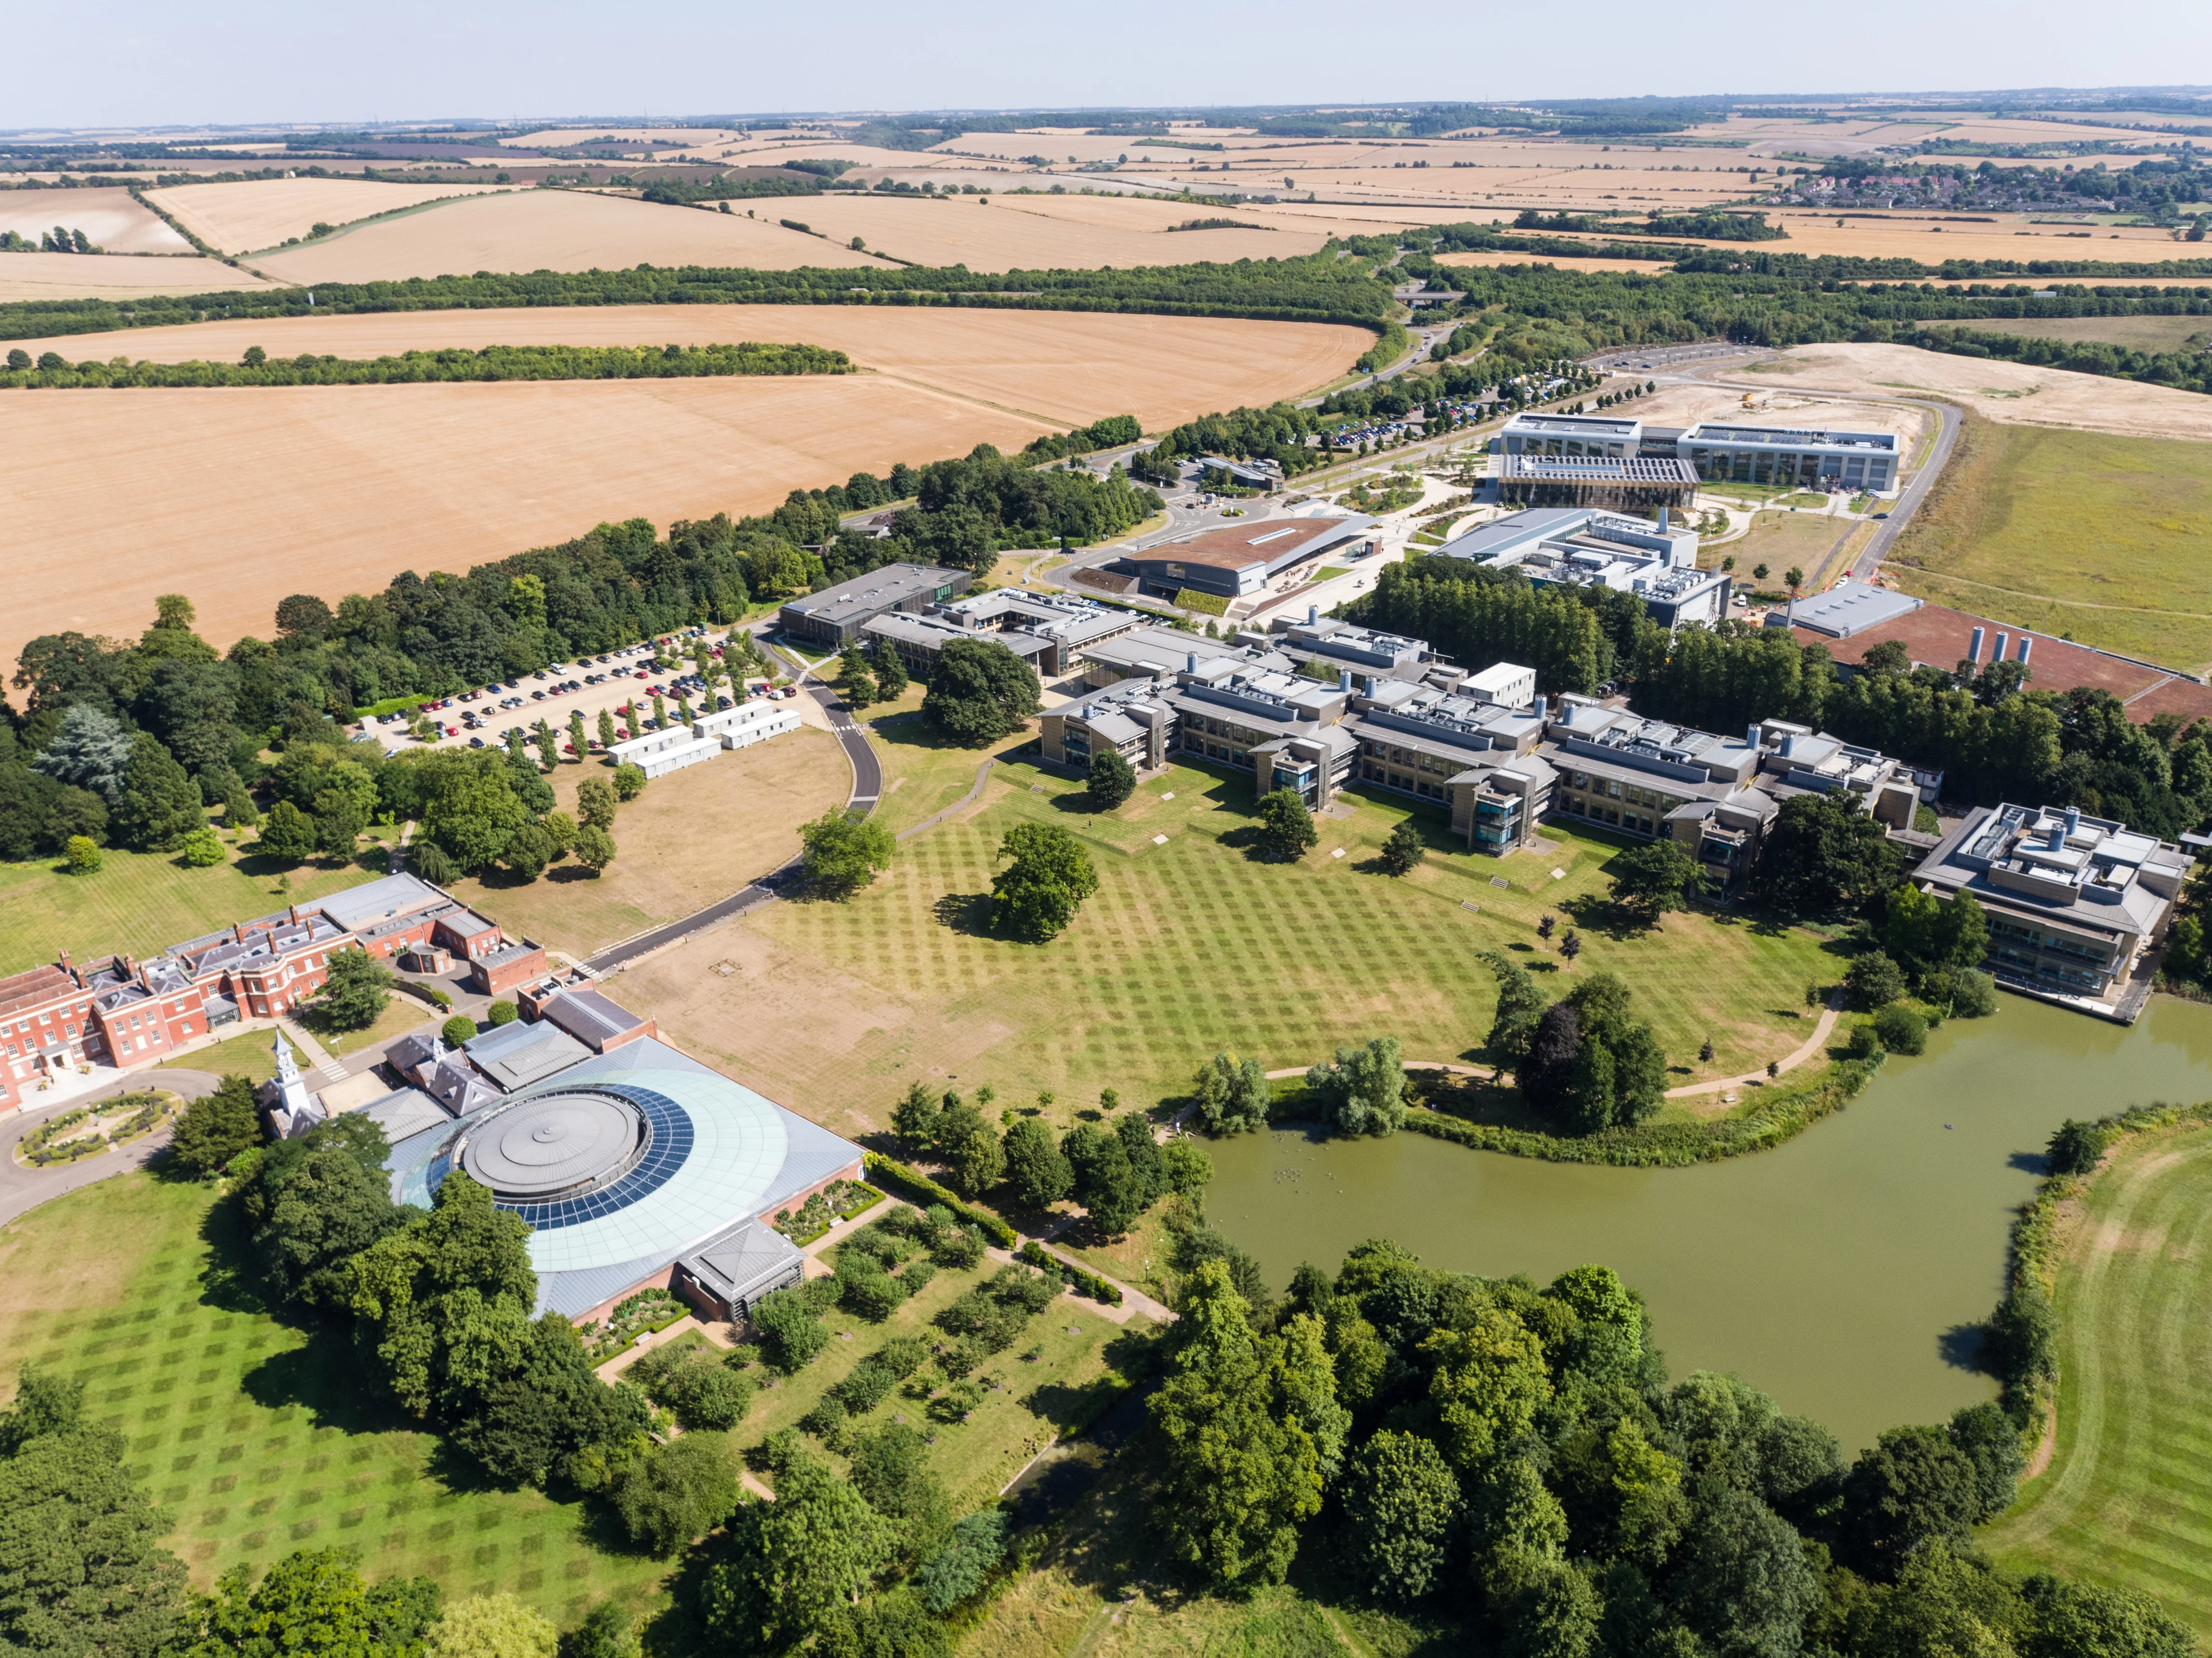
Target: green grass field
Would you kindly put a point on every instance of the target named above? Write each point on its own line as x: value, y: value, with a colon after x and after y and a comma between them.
x: 2128, y: 1496
x: 141, y: 902
x: 1191, y: 945
x: 251, y: 1054
x: 2082, y: 534
x: 1779, y: 540
x: 252, y: 1433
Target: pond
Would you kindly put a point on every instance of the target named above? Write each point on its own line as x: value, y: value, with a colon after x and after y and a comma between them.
x: 1843, y: 1272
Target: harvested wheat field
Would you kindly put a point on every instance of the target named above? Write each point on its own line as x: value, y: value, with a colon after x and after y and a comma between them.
x: 2011, y: 392
x: 263, y: 212
x: 1055, y: 367
x: 112, y: 219
x: 1651, y: 267
x: 261, y: 492
x: 1002, y: 234
x: 113, y: 276
x: 552, y: 230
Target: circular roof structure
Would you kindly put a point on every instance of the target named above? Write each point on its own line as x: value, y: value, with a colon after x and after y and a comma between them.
x: 557, y: 1145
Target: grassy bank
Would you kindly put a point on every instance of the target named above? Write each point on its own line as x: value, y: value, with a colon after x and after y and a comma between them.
x: 2082, y: 534
x: 2127, y: 1498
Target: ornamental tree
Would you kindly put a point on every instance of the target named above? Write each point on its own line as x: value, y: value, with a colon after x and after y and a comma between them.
x: 1038, y: 893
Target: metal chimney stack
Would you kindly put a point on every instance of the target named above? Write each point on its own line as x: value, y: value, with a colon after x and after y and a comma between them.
x: 1974, y: 647
x: 1313, y: 615
x: 2057, y: 837
x: 2073, y: 821
x: 1190, y: 662
x: 1998, y: 655
x: 1751, y: 735
x: 2021, y: 655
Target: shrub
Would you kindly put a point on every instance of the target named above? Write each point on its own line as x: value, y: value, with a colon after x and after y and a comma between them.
x: 1864, y: 1043
x: 869, y: 1291
x: 829, y: 1422
x: 457, y: 1029
x: 1902, y: 1028
x: 2075, y: 1148
x: 790, y: 1335
x: 83, y: 855
x: 916, y: 1278
x: 1973, y: 994
x: 202, y: 848
x: 960, y: 1248
x: 502, y: 1012
x: 902, y: 1355
x: 1873, y: 980
x: 866, y: 1388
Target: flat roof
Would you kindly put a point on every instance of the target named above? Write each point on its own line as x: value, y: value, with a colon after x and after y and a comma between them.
x: 878, y: 590
x: 1799, y: 436
x: 1598, y: 469
x: 1849, y: 606
x: 590, y: 1016
x: 1270, y: 541
x: 375, y: 901
x: 1610, y: 426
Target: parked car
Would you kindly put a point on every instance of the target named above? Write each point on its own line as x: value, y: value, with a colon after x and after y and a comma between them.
x: 476, y: 741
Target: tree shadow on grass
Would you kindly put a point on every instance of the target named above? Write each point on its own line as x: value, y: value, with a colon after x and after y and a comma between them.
x: 568, y: 872
x: 327, y: 1377
x: 1595, y: 912
x: 968, y: 914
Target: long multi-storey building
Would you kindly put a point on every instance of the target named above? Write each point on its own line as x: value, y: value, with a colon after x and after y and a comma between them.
x: 1586, y: 547
x: 2072, y: 902
x: 124, y: 1012
x: 1718, y: 451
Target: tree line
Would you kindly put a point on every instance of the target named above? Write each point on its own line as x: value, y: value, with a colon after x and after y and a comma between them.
x: 492, y: 362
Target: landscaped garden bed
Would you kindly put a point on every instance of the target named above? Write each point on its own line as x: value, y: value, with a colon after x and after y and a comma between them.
x: 90, y: 1130
x: 836, y: 1202
x: 647, y: 1311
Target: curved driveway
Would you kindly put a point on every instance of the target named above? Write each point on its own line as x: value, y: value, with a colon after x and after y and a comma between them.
x: 24, y: 1189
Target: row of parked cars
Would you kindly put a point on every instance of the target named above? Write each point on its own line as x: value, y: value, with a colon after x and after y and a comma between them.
x: 518, y: 693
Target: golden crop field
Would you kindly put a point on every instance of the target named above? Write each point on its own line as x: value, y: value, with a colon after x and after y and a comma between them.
x: 113, y: 277
x: 112, y: 218
x: 2011, y: 392
x: 1017, y: 233
x: 244, y: 495
x: 1493, y: 257
x: 554, y: 230
x: 259, y: 213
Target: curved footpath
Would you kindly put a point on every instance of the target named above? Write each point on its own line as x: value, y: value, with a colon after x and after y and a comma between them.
x: 867, y: 789
x: 24, y: 1189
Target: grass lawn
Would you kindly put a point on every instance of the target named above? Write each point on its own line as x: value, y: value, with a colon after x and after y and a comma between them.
x: 250, y: 1433
x: 1190, y: 945
x: 693, y: 836
x: 2092, y: 536
x: 1074, y: 1378
x: 250, y: 1054
x: 140, y: 904
x: 1781, y: 539
x: 2128, y: 1496
x: 401, y: 1015
x: 924, y: 772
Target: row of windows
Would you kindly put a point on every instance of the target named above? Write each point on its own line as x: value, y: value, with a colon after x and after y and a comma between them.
x: 1435, y: 765
x: 1612, y: 788
x: 2056, y: 944
x: 1635, y: 823
x: 1406, y: 782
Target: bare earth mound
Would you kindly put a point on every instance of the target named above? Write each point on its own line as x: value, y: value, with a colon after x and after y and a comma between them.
x: 2011, y: 392
x: 112, y: 219
x: 552, y: 230
x: 240, y: 496
x: 73, y: 277
x: 263, y: 212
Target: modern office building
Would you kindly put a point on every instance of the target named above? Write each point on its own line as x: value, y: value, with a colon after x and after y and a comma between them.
x: 1234, y: 562
x: 1612, y: 437
x: 1782, y: 456
x: 1640, y: 483
x: 1582, y: 546
x: 833, y: 618
x: 1325, y: 643
x: 2072, y: 902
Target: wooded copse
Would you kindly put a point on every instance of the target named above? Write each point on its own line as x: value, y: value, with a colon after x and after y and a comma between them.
x: 492, y: 362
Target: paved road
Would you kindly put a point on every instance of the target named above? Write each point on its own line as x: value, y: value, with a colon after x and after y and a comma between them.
x: 867, y: 789
x: 24, y: 1189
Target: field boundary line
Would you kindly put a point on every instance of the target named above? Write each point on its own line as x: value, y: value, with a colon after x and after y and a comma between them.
x: 980, y: 403
x: 2045, y: 598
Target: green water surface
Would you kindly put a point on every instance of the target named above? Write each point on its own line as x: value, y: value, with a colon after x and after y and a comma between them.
x: 1842, y: 1273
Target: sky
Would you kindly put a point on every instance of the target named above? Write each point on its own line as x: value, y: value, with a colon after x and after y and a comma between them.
x: 251, y: 60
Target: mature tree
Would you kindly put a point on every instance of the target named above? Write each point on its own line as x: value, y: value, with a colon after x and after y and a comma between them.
x: 795, y: 1561
x: 1037, y: 1168
x: 1111, y: 780
x: 595, y: 803
x: 1489, y: 1382
x: 91, y: 750
x: 974, y: 1157
x: 1520, y: 1006
x: 45, y: 1404
x: 1913, y: 1486
x: 1823, y: 856
x: 1403, y: 849
x: 1038, y: 893
x: 1873, y: 980
x: 1746, y: 1585
x: 315, y: 1204
x: 545, y: 1408
x: 980, y: 691
x: 1242, y: 1470
x: 594, y: 847
x: 963, y: 1564
x: 444, y: 1301
x: 83, y: 1570
x: 854, y: 682
x: 216, y: 1128
x: 1232, y: 1095
x: 1111, y: 1193
x: 1364, y: 1090
x: 1187, y: 1168
x: 2076, y: 1147
x: 355, y: 989
x: 1546, y: 1072
x: 1654, y: 878
x: 430, y: 861
x: 159, y: 804
x: 314, y: 1600
x: 607, y: 1631
x: 915, y: 1119
x: 842, y: 854
x: 790, y: 1335
x: 1986, y: 1434
x: 630, y: 780
x: 1286, y: 828
x: 678, y: 1491
x: 2081, y: 1620
x: 890, y: 671
x: 608, y: 737
x: 1400, y: 1507
x: 492, y: 1626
